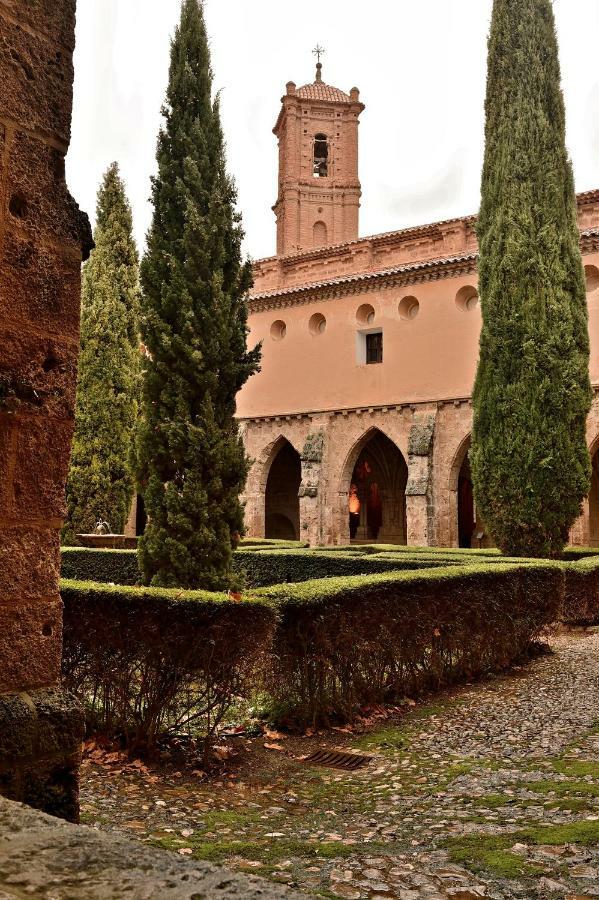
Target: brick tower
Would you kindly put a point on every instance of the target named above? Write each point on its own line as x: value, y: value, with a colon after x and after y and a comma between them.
x: 319, y: 189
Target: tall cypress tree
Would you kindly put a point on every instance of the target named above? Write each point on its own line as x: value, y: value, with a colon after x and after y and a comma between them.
x: 100, y: 483
x: 530, y: 463
x: 192, y: 462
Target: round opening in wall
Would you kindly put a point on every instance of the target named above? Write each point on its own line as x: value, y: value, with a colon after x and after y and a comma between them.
x: 278, y: 330
x: 408, y: 308
x: 592, y: 276
x: 17, y: 206
x: 365, y: 314
x: 467, y: 298
x: 317, y: 324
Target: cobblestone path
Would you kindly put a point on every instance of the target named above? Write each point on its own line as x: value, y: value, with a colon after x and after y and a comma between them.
x: 492, y: 792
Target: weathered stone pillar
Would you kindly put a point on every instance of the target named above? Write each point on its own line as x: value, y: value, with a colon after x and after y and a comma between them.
x: 309, y: 493
x: 419, y: 499
x: 42, y: 235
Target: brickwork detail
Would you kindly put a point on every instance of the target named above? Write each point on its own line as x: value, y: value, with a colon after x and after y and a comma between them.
x: 319, y: 193
x: 43, y: 237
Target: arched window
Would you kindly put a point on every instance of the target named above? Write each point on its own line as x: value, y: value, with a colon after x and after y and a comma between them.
x: 321, y: 156
x: 320, y: 234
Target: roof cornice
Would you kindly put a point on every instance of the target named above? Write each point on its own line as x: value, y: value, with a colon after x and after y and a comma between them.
x: 398, y: 276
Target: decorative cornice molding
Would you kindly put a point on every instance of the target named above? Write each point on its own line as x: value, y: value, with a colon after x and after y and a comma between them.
x: 412, y: 406
x: 398, y: 276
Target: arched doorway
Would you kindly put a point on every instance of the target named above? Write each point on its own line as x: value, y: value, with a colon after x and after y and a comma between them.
x: 471, y: 530
x: 594, y: 503
x: 282, y: 519
x: 466, y: 514
x: 377, y: 493
x: 141, y: 517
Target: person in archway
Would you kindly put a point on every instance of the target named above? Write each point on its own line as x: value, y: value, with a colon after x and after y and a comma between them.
x: 354, y: 511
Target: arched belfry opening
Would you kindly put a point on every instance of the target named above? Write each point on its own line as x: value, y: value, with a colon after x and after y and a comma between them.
x: 321, y: 156
x: 282, y: 516
x: 377, y: 493
x: 594, y: 503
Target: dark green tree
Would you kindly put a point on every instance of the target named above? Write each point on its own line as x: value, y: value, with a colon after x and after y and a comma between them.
x: 192, y: 463
x: 530, y: 464
x: 100, y: 483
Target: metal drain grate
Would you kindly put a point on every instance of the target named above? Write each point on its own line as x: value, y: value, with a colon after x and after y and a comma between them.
x: 338, y: 760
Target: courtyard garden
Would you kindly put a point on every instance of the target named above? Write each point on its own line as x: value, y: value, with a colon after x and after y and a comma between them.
x: 358, y: 722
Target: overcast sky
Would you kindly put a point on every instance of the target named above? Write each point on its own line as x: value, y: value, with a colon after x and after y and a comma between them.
x: 420, y: 67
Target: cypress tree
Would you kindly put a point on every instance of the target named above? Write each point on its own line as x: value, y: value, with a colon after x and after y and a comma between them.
x: 192, y: 463
x: 530, y: 463
x: 100, y: 483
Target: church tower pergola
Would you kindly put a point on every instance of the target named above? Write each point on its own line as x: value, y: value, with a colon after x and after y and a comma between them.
x: 319, y: 190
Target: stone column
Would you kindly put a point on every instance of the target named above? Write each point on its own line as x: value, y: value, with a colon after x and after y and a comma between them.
x: 42, y: 236
x: 309, y: 492
x: 419, y: 499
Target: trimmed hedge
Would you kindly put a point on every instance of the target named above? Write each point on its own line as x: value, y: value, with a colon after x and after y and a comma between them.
x: 581, y: 601
x: 344, y: 644
x: 266, y: 568
x: 260, y: 567
x: 105, y: 566
x: 147, y: 661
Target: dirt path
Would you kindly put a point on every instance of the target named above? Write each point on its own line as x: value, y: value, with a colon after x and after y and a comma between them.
x: 492, y: 792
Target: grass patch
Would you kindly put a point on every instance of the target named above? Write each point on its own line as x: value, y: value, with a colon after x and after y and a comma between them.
x: 576, y: 768
x: 480, y: 852
x: 562, y: 788
x: 268, y: 851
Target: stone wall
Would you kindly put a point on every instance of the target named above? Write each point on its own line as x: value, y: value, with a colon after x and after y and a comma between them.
x: 433, y: 439
x: 43, y: 237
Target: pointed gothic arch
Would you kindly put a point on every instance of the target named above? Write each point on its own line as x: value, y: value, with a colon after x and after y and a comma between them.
x: 468, y: 529
x: 374, y: 479
x: 283, y: 476
x: 594, y: 496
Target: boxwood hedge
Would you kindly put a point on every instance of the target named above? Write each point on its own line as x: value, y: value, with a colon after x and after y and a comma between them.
x: 341, y: 644
x: 146, y: 661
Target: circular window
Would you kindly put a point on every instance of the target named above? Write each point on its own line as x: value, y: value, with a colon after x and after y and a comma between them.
x: 467, y: 298
x: 592, y: 276
x: 318, y: 324
x: 365, y: 314
x: 409, y: 308
x: 278, y: 330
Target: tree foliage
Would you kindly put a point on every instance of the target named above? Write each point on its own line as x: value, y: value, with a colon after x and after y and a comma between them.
x: 100, y: 483
x: 530, y: 462
x: 192, y: 464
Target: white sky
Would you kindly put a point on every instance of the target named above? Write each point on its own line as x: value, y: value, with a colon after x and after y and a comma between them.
x: 420, y: 67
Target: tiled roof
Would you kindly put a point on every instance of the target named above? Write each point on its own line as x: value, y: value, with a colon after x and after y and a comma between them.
x: 365, y: 276
x: 321, y: 91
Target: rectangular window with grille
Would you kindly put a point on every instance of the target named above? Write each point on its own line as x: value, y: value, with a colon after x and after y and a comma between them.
x: 374, y: 348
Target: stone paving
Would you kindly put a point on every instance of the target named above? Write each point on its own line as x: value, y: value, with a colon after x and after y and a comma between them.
x: 493, y: 791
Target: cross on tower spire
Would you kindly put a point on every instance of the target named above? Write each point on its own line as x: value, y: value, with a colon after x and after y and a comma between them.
x: 318, y: 52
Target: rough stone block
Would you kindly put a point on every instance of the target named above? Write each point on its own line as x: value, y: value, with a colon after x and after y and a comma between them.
x: 30, y: 643
x: 36, y: 79
x: 17, y: 728
x: 42, y: 461
x: 37, y: 374
x: 29, y: 562
x: 55, y: 18
x: 60, y: 723
x: 38, y: 197
x: 38, y: 851
x: 53, y: 787
x: 38, y: 285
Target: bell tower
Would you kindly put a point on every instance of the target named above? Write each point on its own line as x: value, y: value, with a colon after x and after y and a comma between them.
x: 319, y: 190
